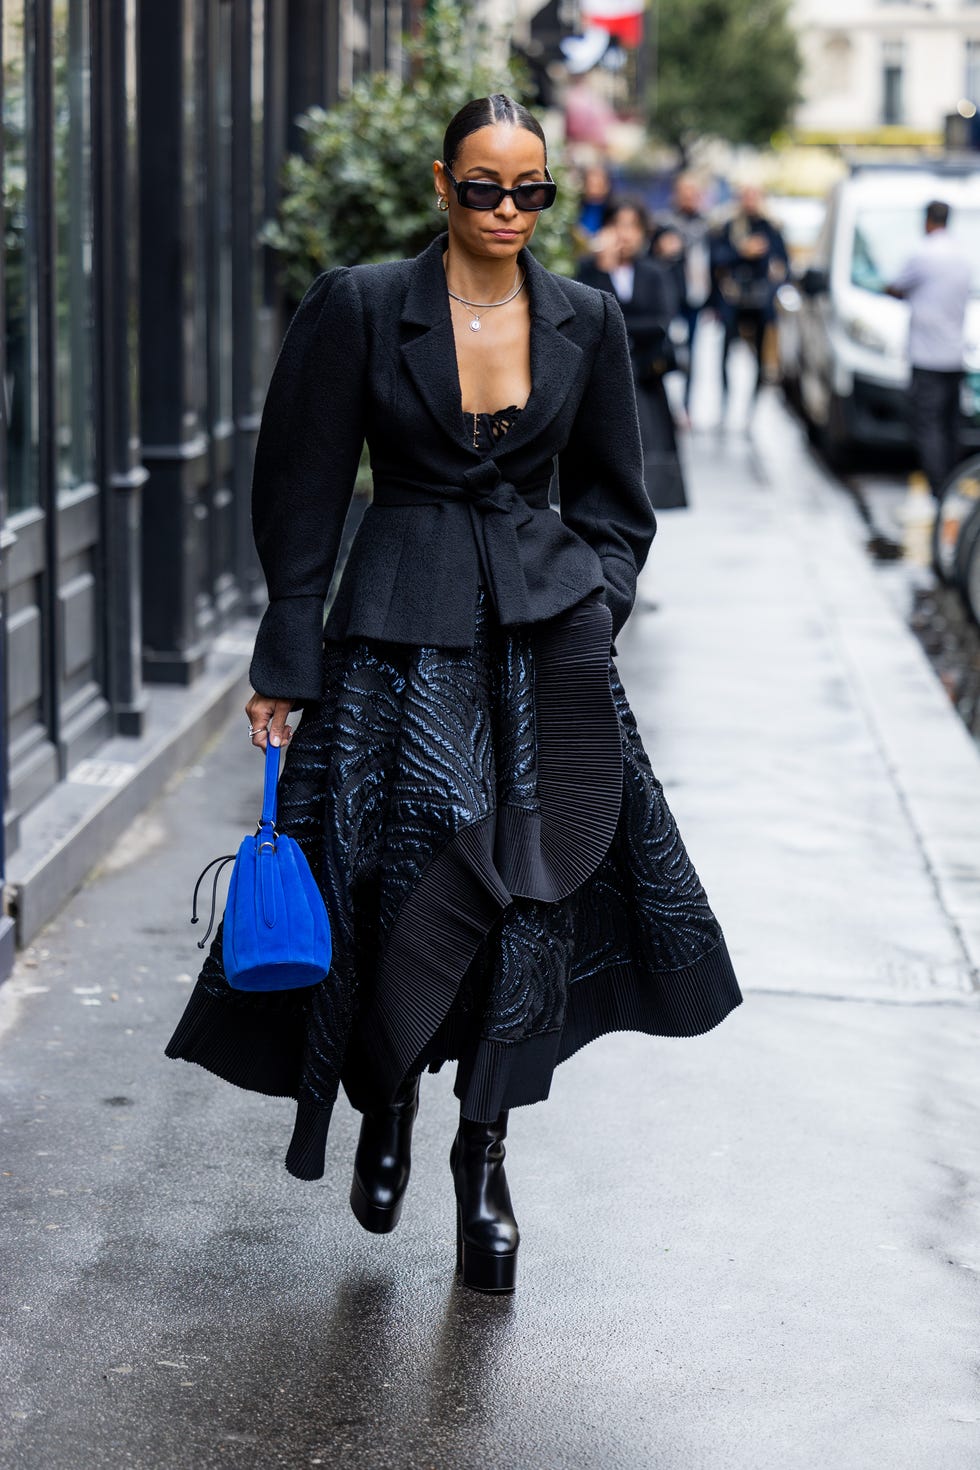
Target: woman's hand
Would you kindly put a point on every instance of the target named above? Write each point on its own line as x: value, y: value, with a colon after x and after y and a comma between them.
x: 669, y: 245
x: 267, y: 717
x: 753, y: 247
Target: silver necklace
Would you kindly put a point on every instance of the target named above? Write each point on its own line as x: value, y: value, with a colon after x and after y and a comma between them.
x: 476, y: 323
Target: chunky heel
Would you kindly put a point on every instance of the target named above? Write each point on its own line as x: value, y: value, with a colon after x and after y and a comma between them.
x: 487, y: 1237
x: 383, y: 1162
x: 487, y: 1271
x: 379, y: 1219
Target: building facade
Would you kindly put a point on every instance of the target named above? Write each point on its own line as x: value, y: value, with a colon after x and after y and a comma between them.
x: 141, y: 151
x: 885, y: 70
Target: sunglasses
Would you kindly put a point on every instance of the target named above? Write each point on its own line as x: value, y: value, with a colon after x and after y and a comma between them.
x: 529, y: 198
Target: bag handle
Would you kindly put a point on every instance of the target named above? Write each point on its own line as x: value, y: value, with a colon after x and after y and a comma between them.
x: 272, y: 754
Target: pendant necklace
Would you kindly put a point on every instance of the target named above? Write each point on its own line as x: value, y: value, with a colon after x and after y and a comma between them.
x: 476, y: 323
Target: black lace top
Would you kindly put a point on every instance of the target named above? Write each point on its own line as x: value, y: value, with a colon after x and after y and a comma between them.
x: 489, y: 427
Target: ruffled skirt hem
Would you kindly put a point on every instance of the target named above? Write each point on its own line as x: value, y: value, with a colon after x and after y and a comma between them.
x: 263, y: 1052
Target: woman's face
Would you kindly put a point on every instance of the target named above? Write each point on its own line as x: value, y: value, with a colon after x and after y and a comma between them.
x: 595, y: 184
x: 631, y: 237
x: 501, y: 154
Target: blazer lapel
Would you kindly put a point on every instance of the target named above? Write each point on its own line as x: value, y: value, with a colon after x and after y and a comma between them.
x: 555, y: 358
x: 430, y: 356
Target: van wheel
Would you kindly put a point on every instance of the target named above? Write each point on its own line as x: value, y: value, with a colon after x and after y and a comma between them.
x: 836, y: 442
x: 971, y: 582
x: 957, y: 510
x: 966, y: 573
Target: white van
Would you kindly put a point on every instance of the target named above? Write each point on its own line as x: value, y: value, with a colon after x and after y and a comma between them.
x: 846, y: 351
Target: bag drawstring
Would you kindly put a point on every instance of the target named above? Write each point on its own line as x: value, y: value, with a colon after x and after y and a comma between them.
x: 267, y: 819
x: 228, y: 858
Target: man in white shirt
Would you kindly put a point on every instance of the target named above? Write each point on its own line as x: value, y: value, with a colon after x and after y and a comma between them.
x: 936, y: 282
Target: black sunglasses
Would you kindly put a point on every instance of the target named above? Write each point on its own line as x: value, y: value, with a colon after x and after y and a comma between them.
x: 529, y: 198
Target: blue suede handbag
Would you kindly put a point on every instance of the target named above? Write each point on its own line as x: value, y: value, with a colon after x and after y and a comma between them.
x: 276, y: 934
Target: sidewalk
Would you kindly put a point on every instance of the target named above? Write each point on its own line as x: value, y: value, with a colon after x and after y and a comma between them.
x: 803, y: 718
x: 756, y: 1250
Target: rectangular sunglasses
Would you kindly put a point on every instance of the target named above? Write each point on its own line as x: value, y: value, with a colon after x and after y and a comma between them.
x: 478, y: 194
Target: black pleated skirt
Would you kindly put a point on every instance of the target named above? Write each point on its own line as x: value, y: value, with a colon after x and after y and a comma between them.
x: 504, y: 879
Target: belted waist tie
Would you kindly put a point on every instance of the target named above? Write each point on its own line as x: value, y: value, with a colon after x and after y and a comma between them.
x: 498, y: 509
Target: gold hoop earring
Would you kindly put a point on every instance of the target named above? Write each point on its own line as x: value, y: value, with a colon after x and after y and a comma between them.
x: 442, y: 202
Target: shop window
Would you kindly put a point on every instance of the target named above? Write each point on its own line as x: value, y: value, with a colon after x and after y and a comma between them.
x: 971, y: 85
x: 74, y: 366
x: 261, y: 317
x: 132, y: 193
x: 355, y: 41
x: 20, y: 385
x: 194, y: 255
x: 837, y: 75
x: 893, y: 83
x: 220, y: 198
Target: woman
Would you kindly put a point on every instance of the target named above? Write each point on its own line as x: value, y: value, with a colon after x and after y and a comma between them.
x: 620, y: 263
x: 504, y: 880
x: 593, y: 204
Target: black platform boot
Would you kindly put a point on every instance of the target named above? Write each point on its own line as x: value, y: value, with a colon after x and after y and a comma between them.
x: 486, y: 1231
x: 384, y: 1160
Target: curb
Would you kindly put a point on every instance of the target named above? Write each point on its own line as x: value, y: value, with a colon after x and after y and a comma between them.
x: 917, y: 730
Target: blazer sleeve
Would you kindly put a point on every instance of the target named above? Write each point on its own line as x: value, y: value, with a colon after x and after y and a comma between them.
x: 306, y: 457
x: 600, y: 470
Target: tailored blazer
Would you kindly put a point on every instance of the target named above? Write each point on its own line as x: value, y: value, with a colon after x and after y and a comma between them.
x: 649, y: 311
x: 370, y: 354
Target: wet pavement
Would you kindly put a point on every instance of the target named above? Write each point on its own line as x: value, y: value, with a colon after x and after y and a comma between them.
x: 756, y: 1250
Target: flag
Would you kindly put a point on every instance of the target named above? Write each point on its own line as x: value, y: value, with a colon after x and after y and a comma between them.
x: 621, y: 18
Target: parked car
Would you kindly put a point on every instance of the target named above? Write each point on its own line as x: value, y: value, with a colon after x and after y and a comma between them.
x: 843, y: 342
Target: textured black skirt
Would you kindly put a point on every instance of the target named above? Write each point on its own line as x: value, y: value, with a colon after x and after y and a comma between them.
x: 504, y: 879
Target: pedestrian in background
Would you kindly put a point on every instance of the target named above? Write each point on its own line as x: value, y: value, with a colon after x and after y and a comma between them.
x: 749, y: 261
x: 504, y: 878
x: 594, y: 203
x: 647, y: 294
x: 936, y: 281
x: 680, y: 242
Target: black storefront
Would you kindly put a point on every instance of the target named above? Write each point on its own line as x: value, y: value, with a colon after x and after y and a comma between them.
x: 141, y: 151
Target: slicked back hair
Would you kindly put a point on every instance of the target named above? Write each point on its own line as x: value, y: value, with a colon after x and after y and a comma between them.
x: 482, y: 112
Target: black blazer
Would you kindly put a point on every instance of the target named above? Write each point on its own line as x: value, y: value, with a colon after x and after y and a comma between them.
x: 649, y: 312
x: 370, y: 354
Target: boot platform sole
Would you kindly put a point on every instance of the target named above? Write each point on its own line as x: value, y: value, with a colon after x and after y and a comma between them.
x: 492, y: 1272
x: 378, y: 1219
